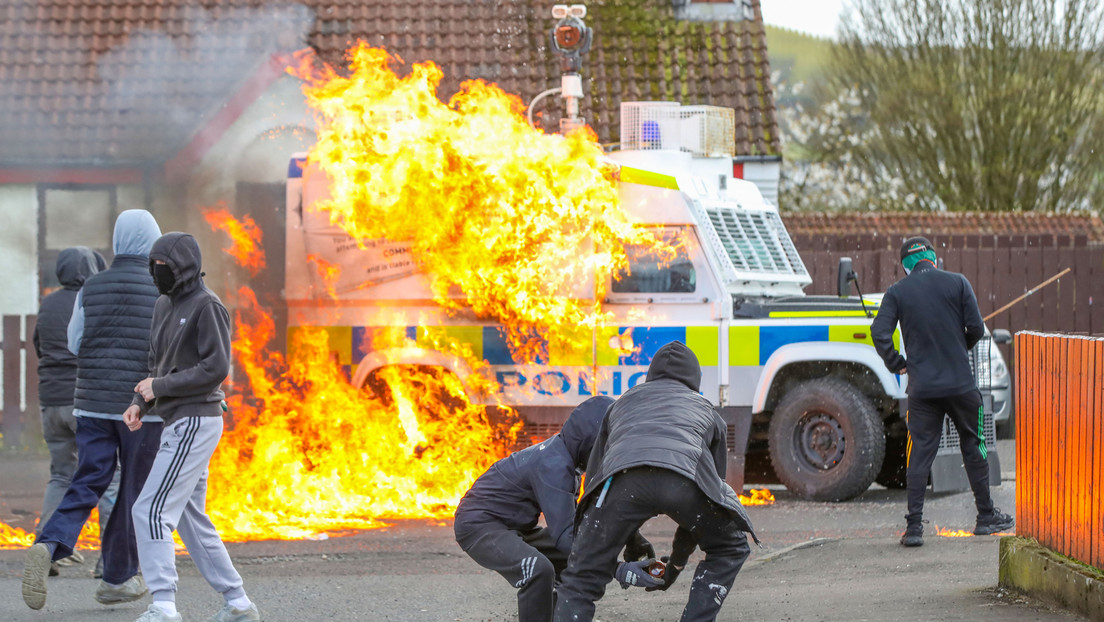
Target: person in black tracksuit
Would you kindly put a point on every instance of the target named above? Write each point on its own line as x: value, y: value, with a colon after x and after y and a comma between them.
x: 940, y: 323
x: 661, y: 450
x: 496, y: 521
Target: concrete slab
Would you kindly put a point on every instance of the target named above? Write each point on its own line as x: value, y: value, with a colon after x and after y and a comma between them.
x: 1028, y: 566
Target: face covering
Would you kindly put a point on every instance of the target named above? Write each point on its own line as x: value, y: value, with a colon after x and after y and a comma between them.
x: 163, y: 277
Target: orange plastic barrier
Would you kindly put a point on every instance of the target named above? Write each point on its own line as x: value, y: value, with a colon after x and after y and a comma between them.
x: 1060, y: 443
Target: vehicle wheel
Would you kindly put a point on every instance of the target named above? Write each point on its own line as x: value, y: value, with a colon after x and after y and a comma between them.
x: 826, y: 440
x: 892, y: 474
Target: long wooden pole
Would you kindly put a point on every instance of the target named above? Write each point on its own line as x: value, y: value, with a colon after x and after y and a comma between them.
x: 1026, y: 294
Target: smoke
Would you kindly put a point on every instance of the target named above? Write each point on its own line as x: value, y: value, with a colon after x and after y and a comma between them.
x: 111, y: 84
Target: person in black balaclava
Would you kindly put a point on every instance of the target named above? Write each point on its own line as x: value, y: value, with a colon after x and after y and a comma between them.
x: 940, y: 324
x: 496, y: 521
x: 661, y: 450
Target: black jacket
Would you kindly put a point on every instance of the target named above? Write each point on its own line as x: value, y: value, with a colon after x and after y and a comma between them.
x: 664, y: 422
x: 57, y: 366
x: 189, y: 353
x: 541, y: 478
x: 940, y: 323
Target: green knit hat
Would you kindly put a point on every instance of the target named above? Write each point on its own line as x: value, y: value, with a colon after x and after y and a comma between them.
x: 915, y: 250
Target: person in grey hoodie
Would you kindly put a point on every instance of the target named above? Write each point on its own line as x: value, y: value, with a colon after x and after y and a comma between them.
x: 661, y: 450
x: 189, y: 357
x: 109, y: 334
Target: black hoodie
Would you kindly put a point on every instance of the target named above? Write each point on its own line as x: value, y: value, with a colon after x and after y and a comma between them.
x: 542, y: 478
x: 664, y: 422
x: 57, y: 366
x: 189, y: 340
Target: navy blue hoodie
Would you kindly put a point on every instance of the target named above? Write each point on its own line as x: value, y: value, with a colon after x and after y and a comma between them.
x: 542, y: 478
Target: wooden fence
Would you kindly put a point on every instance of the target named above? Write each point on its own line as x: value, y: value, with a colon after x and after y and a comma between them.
x: 1060, y: 443
x: 1000, y: 268
x: 19, y: 423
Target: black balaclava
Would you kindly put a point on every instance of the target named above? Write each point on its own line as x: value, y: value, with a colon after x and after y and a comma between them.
x: 163, y: 277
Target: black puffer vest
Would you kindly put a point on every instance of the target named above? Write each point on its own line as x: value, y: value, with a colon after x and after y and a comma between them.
x: 57, y: 367
x: 114, y: 350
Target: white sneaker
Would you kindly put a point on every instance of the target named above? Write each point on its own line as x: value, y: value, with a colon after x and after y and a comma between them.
x: 36, y: 565
x: 155, y: 614
x: 230, y: 614
x: 72, y: 560
x: 130, y: 590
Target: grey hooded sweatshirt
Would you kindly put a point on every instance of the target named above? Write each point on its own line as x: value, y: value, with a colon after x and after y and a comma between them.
x: 109, y: 328
x: 189, y: 354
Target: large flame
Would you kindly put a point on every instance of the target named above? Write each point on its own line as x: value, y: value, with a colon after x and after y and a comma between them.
x: 245, y: 237
x: 310, y: 454
x: 525, y: 226
x: 16, y: 538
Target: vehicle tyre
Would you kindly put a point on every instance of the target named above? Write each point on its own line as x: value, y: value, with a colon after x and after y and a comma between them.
x: 826, y: 440
x: 895, y: 463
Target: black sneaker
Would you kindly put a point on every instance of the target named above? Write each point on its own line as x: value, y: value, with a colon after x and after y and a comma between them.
x: 914, y: 535
x: 994, y: 523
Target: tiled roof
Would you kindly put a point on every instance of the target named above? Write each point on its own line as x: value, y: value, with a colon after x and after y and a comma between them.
x: 898, y: 225
x: 126, y: 82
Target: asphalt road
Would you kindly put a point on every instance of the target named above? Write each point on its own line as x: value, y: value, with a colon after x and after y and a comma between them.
x: 820, y: 562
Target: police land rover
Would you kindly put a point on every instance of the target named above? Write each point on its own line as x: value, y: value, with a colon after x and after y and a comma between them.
x: 793, y: 375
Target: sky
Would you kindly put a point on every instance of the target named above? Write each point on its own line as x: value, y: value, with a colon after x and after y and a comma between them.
x: 816, y: 17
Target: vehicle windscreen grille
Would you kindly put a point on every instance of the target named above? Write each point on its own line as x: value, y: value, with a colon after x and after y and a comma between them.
x: 756, y: 241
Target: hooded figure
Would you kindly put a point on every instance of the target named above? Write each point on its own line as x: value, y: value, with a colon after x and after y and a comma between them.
x: 661, y: 450
x: 109, y: 333
x: 57, y: 366
x: 190, y: 337
x: 189, y: 358
x: 496, y: 521
x: 57, y: 373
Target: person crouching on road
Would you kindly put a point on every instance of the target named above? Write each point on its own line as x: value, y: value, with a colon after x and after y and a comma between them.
x: 661, y: 450
x: 189, y: 359
x: 941, y: 323
x: 496, y: 521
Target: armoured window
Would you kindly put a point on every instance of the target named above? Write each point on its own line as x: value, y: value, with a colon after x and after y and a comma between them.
x: 653, y: 271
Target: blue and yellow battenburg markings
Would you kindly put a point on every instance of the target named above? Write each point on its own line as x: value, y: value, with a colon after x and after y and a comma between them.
x: 749, y: 344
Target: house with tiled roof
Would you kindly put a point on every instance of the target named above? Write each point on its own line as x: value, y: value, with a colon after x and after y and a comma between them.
x: 175, y: 105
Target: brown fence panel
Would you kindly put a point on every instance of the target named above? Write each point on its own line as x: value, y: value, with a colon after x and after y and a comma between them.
x: 1059, y: 442
x: 19, y: 421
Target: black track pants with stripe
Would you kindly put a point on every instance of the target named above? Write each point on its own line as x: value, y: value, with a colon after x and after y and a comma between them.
x: 174, y: 498
x: 925, y: 426
x: 529, y: 561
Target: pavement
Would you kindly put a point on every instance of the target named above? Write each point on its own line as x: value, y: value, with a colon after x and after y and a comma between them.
x: 819, y: 562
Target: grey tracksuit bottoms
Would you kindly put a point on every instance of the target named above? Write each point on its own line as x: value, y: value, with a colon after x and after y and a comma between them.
x: 174, y: 498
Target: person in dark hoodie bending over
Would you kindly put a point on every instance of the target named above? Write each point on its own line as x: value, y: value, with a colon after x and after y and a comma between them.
x: 496, y: 521
x: 108, y: 332
x: 940, y: 323
x: 189, y: 358
x: 661, y: 450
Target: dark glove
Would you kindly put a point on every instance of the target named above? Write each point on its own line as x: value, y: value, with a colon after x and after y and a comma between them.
x: 670, y: 573
x: 638, y: 548
x: 636, y: 573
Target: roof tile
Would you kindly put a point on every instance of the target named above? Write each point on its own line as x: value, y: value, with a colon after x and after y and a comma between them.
x: 150, y: 71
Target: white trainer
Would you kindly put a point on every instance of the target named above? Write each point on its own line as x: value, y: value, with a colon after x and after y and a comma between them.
x: 130, y: 590
x: 36, y: 566
x: 156, y: 614
x: 230, y: 614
